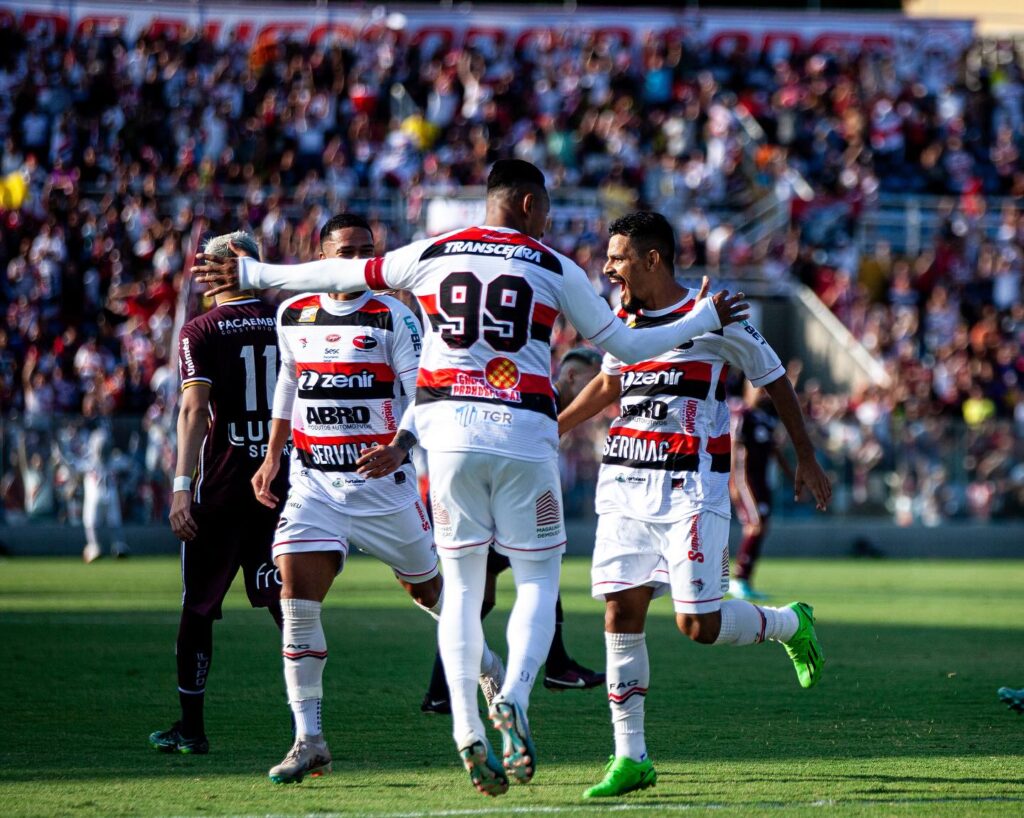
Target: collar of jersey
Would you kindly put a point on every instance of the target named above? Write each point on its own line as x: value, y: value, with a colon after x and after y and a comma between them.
x: 666, y: 310
x: 343, y: 307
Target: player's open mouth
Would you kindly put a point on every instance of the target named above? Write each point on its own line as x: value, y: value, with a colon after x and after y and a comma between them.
x: 616, y: 280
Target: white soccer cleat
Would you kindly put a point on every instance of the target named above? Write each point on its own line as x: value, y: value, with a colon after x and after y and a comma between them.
x: 492, y: 678
x: 91, y: 553
x: 308, y: 756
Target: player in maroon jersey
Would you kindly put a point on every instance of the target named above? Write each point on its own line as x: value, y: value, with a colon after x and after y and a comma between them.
x: 755, y: 446
x: 228, y: 361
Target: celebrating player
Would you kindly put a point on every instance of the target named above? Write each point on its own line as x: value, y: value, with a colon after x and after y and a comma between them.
x: 755, y: 445
x: 577, y: 368
x: 662, y: 494
x: 486, y: 415
x: 228, y: 363
x: 346, y: 361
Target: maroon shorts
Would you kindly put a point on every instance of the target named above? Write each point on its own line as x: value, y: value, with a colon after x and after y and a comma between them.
x: 229, y: 540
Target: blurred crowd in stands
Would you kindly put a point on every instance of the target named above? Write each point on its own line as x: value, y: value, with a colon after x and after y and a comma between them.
x: 112, y: 152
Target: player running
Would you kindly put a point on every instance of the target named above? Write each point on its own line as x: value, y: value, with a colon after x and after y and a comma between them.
x: 662, y: 493
x: 755, y: 446
x: 492, y: 294
x: 228, y: 363
x: 347, y: 360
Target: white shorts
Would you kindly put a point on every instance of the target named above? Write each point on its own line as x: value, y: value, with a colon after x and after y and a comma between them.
x: 401, y: 539
x: 479, y: 499
x: 690, y: 557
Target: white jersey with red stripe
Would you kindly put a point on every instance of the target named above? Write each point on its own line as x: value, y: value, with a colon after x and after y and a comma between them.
x: 668, y: 453
x: 491, y: 295
x: 344, y: 368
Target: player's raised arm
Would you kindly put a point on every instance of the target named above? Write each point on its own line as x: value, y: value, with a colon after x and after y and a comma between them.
x: 391, y: 271
x: 592, y: 316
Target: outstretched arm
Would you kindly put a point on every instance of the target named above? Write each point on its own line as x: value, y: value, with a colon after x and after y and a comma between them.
x: 592, y: 316
x: 326, y: 275
x: 809, y: 473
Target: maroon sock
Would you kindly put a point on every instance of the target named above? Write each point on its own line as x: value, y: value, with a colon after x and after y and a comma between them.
x: 746, y: 557
x: 194, y: 654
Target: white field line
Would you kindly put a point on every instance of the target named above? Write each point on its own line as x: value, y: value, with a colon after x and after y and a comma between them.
x: 647, y: 807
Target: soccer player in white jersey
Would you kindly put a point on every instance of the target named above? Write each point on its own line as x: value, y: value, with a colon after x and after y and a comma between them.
x: 491, y: 294
x: 346, y: 361
x: 663, y: 494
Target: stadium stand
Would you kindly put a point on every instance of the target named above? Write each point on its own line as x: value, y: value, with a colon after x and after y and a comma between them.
x: 115, y: 152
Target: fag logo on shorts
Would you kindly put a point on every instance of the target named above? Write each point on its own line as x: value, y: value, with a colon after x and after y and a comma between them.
x: 502, y: 373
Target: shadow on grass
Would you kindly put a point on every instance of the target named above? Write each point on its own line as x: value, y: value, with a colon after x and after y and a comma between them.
x: 82, y: 696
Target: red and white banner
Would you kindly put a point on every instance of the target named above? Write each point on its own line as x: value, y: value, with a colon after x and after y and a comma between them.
x: 776, y: 32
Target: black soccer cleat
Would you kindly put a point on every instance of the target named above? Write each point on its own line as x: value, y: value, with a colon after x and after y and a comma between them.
x: 441, y: 707
x: 574, y: 677
x: 173, y: 741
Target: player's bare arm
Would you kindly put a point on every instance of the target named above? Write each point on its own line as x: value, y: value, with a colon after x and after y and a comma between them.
x: 809, y: 473
x: 193, y: 422
x: 380, y: 461
x: 598, y: 395
x: 280, y: 431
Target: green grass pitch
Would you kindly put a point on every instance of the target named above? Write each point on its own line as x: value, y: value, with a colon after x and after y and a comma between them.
x: 905, y: 721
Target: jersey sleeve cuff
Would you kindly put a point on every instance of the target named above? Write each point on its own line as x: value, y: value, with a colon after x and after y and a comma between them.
x: 195, y: 381
x: 768, y: 377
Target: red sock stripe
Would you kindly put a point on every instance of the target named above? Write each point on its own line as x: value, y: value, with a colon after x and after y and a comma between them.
x: 764, y: 623
x: 620, y: 699
x: 302, y: 654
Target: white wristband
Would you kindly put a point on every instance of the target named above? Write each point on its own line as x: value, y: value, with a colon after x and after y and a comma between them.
x: 183, y: 483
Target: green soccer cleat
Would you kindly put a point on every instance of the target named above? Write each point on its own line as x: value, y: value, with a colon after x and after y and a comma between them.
x: 520, y: 755
x: 1014, y: 699
x: 485, y: 770
x: 622, y: 775
x: 172, y: 741
x: 803, y: 648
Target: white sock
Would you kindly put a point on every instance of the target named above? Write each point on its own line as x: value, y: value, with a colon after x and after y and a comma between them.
x: 308, y: 721
x: 629, y: 675
x: 305, y: 654
x: 488, y: 656
x: 746, y: 624
x: 460, y: 638
x: 531, y: 625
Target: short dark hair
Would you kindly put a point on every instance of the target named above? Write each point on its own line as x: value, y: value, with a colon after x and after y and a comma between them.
x: 585, y: 355
x: 514, y: 174
x: 649, y: 231
x: 339, y: 222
